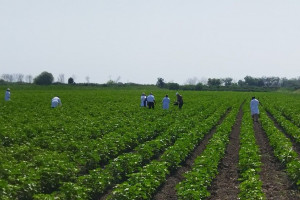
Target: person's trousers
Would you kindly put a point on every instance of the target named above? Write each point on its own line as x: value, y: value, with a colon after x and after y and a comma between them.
x: 151, y: 105
x: 180, y: 105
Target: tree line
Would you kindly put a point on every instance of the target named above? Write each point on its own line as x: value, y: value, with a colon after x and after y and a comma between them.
x: 248, y: 83
x: 45, y: 78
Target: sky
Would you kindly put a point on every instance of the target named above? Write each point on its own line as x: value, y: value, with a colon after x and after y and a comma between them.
x: 140, y: 40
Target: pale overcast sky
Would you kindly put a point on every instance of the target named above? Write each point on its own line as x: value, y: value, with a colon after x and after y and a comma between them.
x: 141, y: 40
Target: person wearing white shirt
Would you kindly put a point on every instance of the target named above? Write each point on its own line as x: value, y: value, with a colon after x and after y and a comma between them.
x: 55, y: 102
x: 254, y: 103
x: 166, y: 102
x: 143, y: 100
x: 150, y: 100
x: 7, y: 94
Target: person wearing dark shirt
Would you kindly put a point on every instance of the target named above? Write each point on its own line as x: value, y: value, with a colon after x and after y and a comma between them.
x: 179, y: 100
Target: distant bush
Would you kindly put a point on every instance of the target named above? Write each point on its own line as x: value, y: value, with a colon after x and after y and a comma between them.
x: 45, y: 78
x: 71, y: 81
x: 172, y: 86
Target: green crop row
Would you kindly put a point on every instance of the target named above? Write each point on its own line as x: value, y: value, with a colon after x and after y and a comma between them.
x: 205, y: 167
x: 283, y: 148
x: 143, y: 184
x: 29, y: 169
x: 249, y: 160
x: 291, y: 113
x: 98, y: 181
x: 99, y: 138
x: 46, y: 175
x: 288, y: 106
x: 288, y: 126
x: 42, y: 171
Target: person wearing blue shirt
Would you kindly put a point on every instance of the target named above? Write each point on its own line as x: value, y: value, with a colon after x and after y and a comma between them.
x: 166, y: 102
x: 56, y: 102
x: 143, y: 100
x: 150, y: 101
x: 254, y: 103
x: 7, y: 95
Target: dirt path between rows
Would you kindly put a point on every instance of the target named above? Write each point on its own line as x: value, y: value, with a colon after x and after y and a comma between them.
x: 276, y: 184
x: 167, y: 190
x: 225, y: 185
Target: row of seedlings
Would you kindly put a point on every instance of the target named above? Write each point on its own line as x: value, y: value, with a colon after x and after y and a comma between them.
x: 30, y: 170
x: 289, y: 107
x: 143, y: 184
x: 249, y: 161
x: 95, y: 183
x: 283, y: 148
x: 205, y: 167
x: 290, y: 128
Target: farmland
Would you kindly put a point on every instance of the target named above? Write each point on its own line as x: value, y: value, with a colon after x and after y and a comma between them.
x: 102, y: 145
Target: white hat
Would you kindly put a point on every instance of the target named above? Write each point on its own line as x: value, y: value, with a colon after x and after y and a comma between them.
x: 8, y: 89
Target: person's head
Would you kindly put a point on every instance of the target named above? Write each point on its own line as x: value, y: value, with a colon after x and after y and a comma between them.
x: 166, y: 95
x: 253, y: 97
x: 7, y: 89
x: 177, y: 93
x: 151, y: 93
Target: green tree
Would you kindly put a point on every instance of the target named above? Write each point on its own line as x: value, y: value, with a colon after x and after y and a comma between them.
x: 250, y: 81
x: 199, y: 86
x: 172, y: 86
x: 227, y: 81
x: 214, y: 82
x: 71, y: 80
x: 160, y: 82
x: 241, y: 83
x: 45, y: 78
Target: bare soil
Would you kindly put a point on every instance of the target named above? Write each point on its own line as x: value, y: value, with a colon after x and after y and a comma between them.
x: 276, y: 183
x: 167, y: 191
x: 225, y: 185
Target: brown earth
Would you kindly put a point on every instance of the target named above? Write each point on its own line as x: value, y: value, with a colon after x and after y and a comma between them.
x: 167, y: 191
x: 276, y: 183
x: 225, y: 185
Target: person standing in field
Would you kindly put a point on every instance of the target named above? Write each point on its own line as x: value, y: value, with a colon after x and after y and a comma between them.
x: 7, y: 94
x: 150, y: 101
x: 143, y: 100
x: 55, y: 102
x: 254, y: 103
x: 166, y: 102
x: 179, y: 100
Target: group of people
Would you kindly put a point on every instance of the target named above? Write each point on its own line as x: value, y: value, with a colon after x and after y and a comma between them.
x: 150, y: 101
x: 55, y: 101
